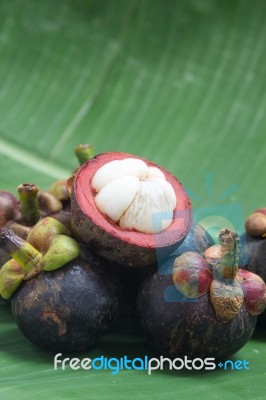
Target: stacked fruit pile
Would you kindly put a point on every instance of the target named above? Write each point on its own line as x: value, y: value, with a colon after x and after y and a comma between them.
x: 117, y: 237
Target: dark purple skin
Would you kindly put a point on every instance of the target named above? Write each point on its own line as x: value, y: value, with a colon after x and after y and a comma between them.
x: 67, y: 309
x: 8, y: 207
x: 253, y: 258
x: 182, y: 327
x: 253, y: 255
x: 197, y: 240
x: 4, y: 257
x: 130, y: 280
x: 8, y: 211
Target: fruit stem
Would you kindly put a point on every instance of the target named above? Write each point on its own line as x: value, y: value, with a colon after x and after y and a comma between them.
x: 84, y: 152
x: 19, y: 229
x: 25, y: 254
x: 228, y: 265
x: 29, y: 208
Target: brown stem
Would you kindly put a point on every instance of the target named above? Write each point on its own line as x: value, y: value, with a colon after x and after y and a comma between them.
x: 26, y: 255
x: 224, y: 257
x: 228, y: 265
x: 18, y: 229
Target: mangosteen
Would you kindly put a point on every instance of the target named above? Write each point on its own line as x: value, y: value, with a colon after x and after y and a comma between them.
x: 130, y: 280
x: 197, y: 240
x: 256, y: 223
x: 253, y: 255
x: 8, y: 207
x: 61, y: 298
x: 199, y: 308
x: 67, y: 309
x: 128, y: 209
x: 253, y: 250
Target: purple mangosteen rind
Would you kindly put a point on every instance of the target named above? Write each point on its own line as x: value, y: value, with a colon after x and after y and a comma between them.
x: 253, y: 255
x: 127, y: 247
x: 9, y: 207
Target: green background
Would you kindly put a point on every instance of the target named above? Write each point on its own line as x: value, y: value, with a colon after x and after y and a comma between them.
x: 179, y: 82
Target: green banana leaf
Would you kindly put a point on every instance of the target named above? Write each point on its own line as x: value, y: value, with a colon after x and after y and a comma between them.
x: 179, y: 82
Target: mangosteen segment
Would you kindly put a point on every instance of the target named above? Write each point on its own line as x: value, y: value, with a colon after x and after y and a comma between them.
x: 124, y: 244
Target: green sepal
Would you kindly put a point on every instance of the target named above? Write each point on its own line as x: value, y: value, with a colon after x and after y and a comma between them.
x: 11, y: 276
x: 44, y: 231
x: 62, y: 250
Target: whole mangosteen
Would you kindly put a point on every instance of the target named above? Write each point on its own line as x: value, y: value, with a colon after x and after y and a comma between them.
x: 61, y: 298
x: 253, y: 241
x: 67, y: 309
x: 253, y: 249
x: 200, y: 308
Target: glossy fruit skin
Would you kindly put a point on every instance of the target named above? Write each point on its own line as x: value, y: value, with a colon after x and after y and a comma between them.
x: 8, y: 210
x: 67, y: 309
x: 177, y: 326
x: 253, y: 258
x: 8, y: 207
x: 131, y: 279
x: 253, y: 255
x: 127, y: 247
x: 197, y: 240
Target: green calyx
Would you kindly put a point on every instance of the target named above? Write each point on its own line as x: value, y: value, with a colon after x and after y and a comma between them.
x: 84, y: 152
x: 48, y: 247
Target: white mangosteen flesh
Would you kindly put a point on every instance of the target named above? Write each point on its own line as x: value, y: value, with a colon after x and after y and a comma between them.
x: 131, y: 194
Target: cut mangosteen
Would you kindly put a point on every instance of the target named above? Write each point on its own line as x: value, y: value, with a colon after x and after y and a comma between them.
x: 129, y: 209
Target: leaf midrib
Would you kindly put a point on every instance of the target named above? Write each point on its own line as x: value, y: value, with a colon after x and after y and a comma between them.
x: 35, y: 162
